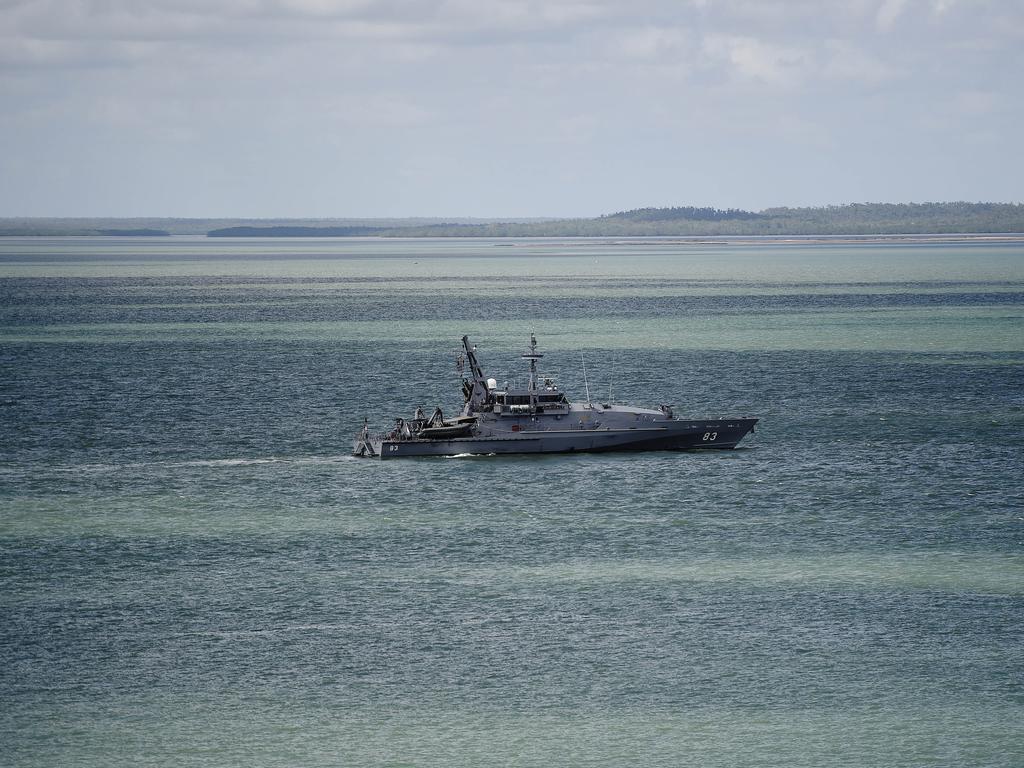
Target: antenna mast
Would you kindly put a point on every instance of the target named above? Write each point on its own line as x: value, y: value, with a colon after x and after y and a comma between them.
x: 533, y: 356
x: 585, y: 383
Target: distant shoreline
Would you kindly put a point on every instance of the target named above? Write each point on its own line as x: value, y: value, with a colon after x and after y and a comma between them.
x: 639, y: 241
x: 810, y: 239
x: 857, y: 221
x: 921, y: 238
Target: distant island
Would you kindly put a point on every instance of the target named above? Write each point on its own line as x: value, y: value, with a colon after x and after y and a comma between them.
x: 279, y: 230
x: 134, y: 232
x: 855, y: 220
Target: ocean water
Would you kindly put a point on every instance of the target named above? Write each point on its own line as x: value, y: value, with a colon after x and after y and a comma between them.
x: 194, y: 571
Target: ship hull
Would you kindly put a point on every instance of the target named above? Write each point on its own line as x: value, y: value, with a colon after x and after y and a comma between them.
x: 667, y: 436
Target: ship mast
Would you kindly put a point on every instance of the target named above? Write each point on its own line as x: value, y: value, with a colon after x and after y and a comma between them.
x: 533, y: 356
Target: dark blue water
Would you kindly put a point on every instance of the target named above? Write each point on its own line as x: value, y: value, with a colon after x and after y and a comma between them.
x: 195, y: 572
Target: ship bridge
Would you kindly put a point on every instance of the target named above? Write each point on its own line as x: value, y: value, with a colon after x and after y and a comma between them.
x: 516, y: 402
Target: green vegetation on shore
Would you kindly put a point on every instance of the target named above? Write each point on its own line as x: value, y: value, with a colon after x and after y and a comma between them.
x: 856, y: 219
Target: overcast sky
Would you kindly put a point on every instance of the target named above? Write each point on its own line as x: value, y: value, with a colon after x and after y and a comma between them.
x: 350, y: 108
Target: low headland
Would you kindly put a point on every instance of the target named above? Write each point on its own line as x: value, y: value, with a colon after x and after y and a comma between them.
x: 856, y: 220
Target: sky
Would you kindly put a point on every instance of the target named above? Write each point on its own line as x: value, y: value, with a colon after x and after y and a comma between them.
x: 504, y: 108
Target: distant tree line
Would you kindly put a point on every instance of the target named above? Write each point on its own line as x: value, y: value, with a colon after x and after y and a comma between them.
x: 853, y: 219
x: 52, y: 226
x: 134, y: 232
x: 687, y: 213
x: 283, y: 231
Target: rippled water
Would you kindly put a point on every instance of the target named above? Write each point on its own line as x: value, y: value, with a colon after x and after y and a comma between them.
x: 195, y: 572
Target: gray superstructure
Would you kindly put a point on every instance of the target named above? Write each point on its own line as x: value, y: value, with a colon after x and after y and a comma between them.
x: 540, y: 419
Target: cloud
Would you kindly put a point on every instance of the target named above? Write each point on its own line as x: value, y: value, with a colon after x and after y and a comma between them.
x: 325, y: 8
x: 888, y: 12
x: 602, y: 91
x: 238, y: 21
x: 753, y: 59
x: 376, y: 111
x: 941, y: 6
x: 653, y: 43
x: 975, y: 102
x: 843, y: 60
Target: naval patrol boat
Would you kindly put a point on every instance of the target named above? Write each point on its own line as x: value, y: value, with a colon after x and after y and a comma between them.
x: 540, y: 419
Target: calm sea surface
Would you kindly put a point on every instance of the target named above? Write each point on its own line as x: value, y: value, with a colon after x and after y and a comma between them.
x: 194, y: 572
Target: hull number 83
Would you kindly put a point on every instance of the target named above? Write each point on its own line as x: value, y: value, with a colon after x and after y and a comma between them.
x: 710, y: 437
